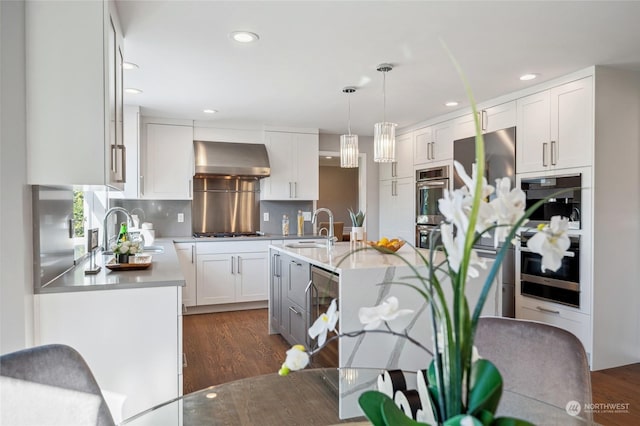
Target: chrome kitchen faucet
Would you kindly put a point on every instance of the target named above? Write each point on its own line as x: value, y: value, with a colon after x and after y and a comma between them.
x: 105, y: 231
x: 331, y: 239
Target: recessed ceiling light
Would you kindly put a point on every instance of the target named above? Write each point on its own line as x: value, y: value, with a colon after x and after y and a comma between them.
x: 210, y: 111
x: 527, y: 77
x: 451, y: 104
x: 133, y: 91
x: 244, y: 36
x: 328, y: 157
x: 130, y: 66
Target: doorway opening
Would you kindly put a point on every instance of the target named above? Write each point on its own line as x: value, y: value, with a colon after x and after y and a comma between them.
x: 342, y: 189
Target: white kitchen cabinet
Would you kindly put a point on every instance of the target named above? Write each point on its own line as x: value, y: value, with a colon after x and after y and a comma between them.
x: 403, y: 166
x: 434, y: 143
x: 397, y: 212
x: 167, y: 156
x: 187, y: 256
x: 490, y: 119
x: 75, y: 113
x: 293, y: 158
x: 555, y: 128
x: 131, y: 339
x: 131, y: 134
x: 231, y: 272
x: 421, y: 145
x: 498, y: 117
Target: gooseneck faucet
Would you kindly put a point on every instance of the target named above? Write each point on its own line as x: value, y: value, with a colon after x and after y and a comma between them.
x: 330, y: 237
x: 105, y: 230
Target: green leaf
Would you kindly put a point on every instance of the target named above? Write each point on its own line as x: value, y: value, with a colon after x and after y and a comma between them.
x: 510, y: 421
x: 486, y: 387
x: 371, y: 404
x: 394, y: 416
x: 455, y: 421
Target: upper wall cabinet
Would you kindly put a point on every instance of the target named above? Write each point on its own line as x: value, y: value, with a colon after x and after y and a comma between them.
x: 131, y: 133
x: 434, y: 143
x: 167, y: 164
x: 555, y: 128
x: 293, y: 158
x: 403, y: 166
x: 74, y: 55
x: 490, y: 119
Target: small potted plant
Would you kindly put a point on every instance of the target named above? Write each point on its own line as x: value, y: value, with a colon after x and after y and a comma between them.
x: 123, y: 249
x: 357, y: 222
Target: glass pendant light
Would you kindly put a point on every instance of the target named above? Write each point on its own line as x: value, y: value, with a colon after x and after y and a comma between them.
x: 384, y: 136
x: 349, y: 143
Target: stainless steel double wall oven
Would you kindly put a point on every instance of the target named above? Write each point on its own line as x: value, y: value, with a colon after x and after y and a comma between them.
x: 430, y: 186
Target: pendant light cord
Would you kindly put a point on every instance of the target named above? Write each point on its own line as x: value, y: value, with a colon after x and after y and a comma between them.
x: 349, y: 121
x: 384, y: 96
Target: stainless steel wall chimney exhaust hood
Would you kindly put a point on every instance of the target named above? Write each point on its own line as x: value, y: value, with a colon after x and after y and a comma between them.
x: 231, y: 159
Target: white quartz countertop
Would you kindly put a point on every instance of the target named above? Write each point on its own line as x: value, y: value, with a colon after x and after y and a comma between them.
x: 164, y: 271
x: 344, y: 255
x: 272, y: 237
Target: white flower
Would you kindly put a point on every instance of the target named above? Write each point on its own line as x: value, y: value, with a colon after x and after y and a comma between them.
x: 388, y: 310
x: 551, y: 242
x: 508, y: 207
x: 325, y: 323
x: 297, y: 359
x: 455, y: 252
x: 454, y: 207
x: 470, y: 182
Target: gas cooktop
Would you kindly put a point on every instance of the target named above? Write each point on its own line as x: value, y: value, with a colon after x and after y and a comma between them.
x: 226, y: 234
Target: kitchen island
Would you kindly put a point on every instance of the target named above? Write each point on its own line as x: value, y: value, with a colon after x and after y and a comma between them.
x: 364, y: 278
x: 127, y: 325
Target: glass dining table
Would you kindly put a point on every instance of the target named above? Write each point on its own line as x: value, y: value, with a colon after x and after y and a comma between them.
x: 308, y: 397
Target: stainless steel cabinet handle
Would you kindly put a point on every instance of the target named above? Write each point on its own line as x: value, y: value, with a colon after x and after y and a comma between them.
x: 551, y: 311
x: 393, y: 169
x: 292, y: 309
x: 190, y: 187
x: 544, y: 154
x: 295, y: 189
x: 553, y: 153
x: 432, y: 155
x: 484, y: 120
x: 184, y: 308
x: 123, y: 174
x: 290, y: 193
x: 238, y: 268
x: 193, y: 250
x: 394, y: 188
x: 233, y: 258
x: 566, y: 253
x: 141, y: 185
x: 184, y: 360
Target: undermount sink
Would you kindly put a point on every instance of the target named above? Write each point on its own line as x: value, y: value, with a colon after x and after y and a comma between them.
x: 146, y: 249
x: 306, y: 244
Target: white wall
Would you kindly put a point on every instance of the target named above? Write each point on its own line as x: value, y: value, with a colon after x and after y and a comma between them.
x: 16, y: 283
x: 330, y: 142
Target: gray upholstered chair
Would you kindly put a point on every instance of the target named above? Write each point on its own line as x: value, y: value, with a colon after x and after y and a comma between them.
x: 61, y: 369
x: 537, y: 360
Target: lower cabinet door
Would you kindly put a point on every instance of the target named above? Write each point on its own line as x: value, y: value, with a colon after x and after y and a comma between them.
x: 297, y: 324
x: 216, y: 280
x: 251, y: 277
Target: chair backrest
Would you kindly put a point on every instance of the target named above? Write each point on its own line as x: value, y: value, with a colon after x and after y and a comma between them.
x: 338, y: 228
x: 59, y: 366
x: 537, y: 360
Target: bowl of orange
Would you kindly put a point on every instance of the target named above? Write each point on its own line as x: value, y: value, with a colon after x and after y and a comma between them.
x: 385, y: 245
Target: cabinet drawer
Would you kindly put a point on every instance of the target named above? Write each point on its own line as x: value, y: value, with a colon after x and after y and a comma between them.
x: 216, y: 247
x: 299, y: 276
x: 576, y: 323
x: 297, y: 324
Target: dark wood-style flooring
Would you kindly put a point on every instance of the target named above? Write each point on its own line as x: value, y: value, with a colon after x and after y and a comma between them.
x: 228, y: 346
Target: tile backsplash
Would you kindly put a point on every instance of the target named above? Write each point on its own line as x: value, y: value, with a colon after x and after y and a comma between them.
x: 163, y: 214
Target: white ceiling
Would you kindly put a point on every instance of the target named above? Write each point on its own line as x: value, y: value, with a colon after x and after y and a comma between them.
x: 309, y: 50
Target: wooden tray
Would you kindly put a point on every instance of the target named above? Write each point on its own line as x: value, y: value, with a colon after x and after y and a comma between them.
x: 135, y: 262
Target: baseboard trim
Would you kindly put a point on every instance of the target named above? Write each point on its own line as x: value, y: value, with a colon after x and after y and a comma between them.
x: 226, y: 307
